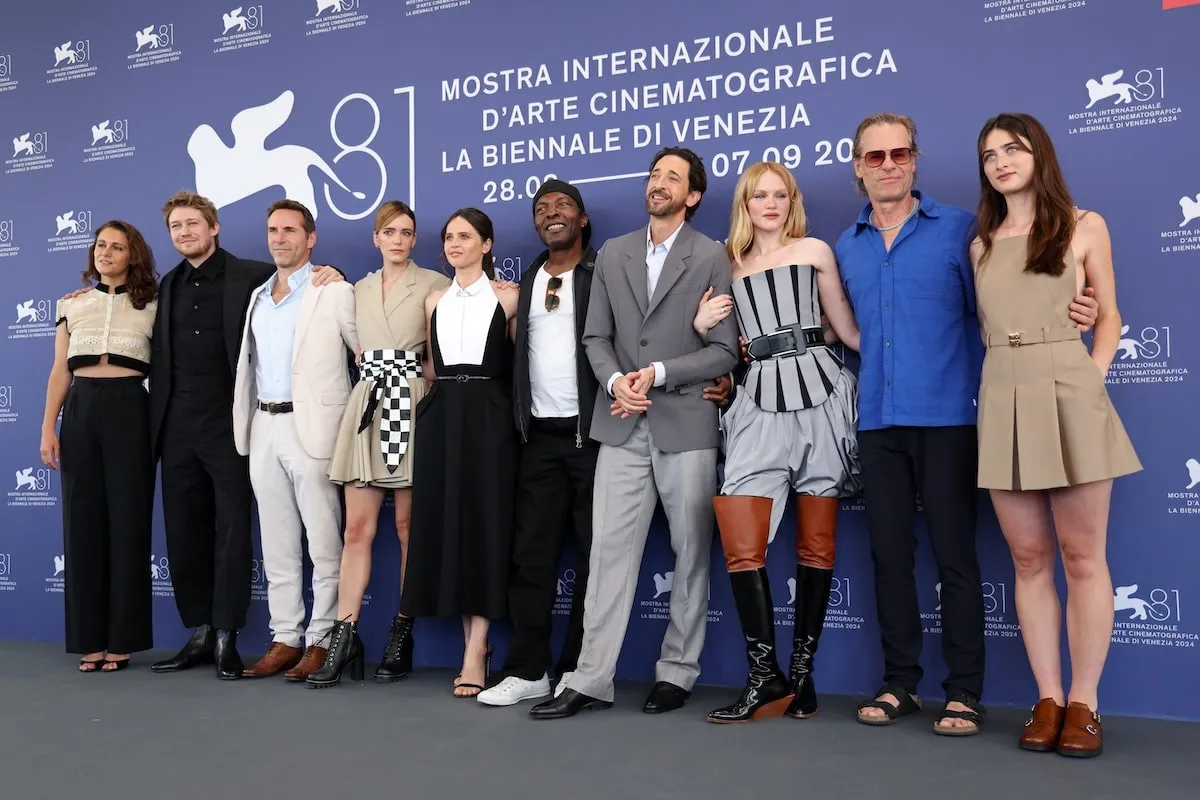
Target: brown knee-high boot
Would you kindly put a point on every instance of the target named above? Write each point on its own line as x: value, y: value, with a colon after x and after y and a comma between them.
x: 745, y: 525
x: 816, y: 526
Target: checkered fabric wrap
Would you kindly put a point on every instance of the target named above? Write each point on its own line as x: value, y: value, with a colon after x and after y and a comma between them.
x: 389, y: 371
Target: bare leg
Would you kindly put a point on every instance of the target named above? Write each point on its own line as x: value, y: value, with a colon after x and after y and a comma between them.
x: 402, y: 499
x: 1081, y: 518
x: 474, y: 657
x: 1025, y: 520
x: 362, y: 520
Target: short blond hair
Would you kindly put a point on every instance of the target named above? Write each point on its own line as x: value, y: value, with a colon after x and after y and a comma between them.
x: 741, y: 229
x: 186, y: 199
x: 884, y: 118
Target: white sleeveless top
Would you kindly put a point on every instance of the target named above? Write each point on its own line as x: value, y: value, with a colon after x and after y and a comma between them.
x: 464, y: 318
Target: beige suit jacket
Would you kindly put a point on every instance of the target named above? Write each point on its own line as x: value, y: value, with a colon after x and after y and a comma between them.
x: 325, y: 327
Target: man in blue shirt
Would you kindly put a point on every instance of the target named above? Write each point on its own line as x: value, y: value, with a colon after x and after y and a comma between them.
x: 907, y: 272
x: 290, y: 390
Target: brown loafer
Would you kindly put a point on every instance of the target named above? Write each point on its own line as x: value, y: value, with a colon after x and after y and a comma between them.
x: 278, y: 657
x: 1082, y: 736
x: 1043, y: 727
x: 314, y: 658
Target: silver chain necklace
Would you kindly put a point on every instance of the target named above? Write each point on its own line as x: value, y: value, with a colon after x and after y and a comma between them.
x: 907, y: 217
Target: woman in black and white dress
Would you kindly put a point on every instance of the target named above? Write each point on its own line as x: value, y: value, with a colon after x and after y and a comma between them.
x: 464, y: 472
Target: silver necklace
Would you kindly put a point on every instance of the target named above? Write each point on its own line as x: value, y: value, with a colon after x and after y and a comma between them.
x: 907, y: 217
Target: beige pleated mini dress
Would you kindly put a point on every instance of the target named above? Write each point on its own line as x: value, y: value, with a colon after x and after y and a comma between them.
x: 1045, y: 417
x: 388, y: 328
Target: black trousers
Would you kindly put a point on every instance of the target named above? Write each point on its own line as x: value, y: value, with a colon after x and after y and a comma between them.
x: 206, y: 507
x: 940, y: 464
x: 553, y: 501
x: 108, y: 502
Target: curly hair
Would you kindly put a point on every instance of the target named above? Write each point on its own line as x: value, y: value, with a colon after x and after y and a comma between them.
x: 141, y: 282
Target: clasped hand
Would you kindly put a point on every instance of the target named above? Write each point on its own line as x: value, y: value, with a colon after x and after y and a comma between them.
x: 630, y: 391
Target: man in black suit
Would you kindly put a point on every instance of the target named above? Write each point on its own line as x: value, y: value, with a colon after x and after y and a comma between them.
x: 206, y: 492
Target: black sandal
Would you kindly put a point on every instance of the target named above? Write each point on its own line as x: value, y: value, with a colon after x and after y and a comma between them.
x: 87, y: 665
x: 974, y: 715
x: 893, y: 713
x: 118, y: 664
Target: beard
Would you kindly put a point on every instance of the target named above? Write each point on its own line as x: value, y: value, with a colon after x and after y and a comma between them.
x: 670, y: 209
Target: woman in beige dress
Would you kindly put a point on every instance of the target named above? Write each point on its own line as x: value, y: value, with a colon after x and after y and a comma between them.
x: 1050, y: 441
x: 374, y: 451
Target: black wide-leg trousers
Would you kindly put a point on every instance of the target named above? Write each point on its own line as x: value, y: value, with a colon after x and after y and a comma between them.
x: 940, y: 465
x: 108, y: 498
x: 553, y: 503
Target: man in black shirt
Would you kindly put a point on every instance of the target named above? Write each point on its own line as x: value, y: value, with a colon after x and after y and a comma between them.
x: 205, y: 483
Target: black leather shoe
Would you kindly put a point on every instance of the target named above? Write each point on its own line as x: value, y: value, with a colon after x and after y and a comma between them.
x: 229, y: 663
x: 665, y: 697
x: 397, y: 653
x: 198, y: 650
x: 567, y: 704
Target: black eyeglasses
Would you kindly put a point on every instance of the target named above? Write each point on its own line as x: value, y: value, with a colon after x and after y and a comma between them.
x: 552, y: 287
x: 900, y: 156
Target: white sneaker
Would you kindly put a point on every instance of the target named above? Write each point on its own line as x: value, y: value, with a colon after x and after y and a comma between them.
x: 513, y: 690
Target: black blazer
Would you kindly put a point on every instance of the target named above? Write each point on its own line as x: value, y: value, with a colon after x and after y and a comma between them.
x: 585, y: 379
x: 241, y: 278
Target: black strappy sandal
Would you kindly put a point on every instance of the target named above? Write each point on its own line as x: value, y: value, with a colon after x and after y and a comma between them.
x: 893, y: 713
x: 975, y: 715
x: 87, y: 665
x: 118, y: 664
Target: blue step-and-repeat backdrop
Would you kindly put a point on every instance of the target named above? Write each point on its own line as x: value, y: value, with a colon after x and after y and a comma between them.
x: 342, y: 104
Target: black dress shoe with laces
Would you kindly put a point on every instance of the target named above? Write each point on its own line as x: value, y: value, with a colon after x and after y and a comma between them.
x: 665, y: 697
x: 198, y: 650
x: 229, y: 663
x: 567, y: 704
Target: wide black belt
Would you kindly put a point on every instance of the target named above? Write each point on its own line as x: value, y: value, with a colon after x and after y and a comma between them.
x: 275, y: 408
x: 790, y: 340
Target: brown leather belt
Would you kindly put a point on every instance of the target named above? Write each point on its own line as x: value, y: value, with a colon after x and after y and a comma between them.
x: 1043, y: 336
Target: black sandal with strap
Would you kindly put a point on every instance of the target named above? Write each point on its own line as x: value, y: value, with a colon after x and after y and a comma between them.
x: 892, y: 713
x: 975, y: 715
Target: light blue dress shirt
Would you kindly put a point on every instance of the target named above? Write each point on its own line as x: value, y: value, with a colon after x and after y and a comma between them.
x: 273, y: 326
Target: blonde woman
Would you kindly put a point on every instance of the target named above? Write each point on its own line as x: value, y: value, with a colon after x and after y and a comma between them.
x: 374, y: 451
x: 790, y: 429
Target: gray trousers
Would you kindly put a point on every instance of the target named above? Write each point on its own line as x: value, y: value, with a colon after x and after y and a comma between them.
x: 630, y: 479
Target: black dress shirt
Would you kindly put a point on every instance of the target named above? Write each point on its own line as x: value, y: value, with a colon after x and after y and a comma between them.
x: 203, y: 387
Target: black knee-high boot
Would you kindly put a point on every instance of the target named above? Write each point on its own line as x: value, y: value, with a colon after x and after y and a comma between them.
x: 816, y: 524
x: 744, y: 524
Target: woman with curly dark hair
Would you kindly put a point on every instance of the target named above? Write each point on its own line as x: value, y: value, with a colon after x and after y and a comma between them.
x: 101, y: 357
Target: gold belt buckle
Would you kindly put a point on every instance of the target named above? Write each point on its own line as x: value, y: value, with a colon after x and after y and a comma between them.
x: 1014, y: 339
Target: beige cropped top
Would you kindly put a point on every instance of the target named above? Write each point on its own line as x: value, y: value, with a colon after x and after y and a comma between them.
x: 104, y: 322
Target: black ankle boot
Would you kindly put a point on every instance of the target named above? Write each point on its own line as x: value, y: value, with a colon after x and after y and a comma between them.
x: 345, y: 650
x: 198, y: 650
x: 397, y: 653
x: 767, y: 691
x: 812, y: 597
x: 229, y: 663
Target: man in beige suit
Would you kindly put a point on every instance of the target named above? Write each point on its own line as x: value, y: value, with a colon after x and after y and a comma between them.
x: 291, y: 388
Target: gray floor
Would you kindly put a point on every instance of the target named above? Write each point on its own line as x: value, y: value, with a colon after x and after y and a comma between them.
x: 134, y: 734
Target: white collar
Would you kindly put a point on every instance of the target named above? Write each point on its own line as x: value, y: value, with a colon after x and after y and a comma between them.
x: 474, y: 289
x: 668, y: 243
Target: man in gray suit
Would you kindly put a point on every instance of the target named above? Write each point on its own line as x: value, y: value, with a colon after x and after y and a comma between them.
x: 660, y: 438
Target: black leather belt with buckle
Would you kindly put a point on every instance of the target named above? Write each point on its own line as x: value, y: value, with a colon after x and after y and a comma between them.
x: 791, y: 340
x: 275, y: 408
x: 465, y: 378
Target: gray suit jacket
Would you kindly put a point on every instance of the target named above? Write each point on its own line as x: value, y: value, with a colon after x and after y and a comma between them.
x: 626, y: 331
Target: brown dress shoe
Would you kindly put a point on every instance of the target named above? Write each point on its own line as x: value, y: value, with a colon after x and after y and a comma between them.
x: 1082, y: 736
x: 278, y: 657
x: 1043, y: 727
x: 314, y: 657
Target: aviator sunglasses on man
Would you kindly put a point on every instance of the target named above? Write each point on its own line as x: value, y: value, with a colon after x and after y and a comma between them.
x: 900, y: 156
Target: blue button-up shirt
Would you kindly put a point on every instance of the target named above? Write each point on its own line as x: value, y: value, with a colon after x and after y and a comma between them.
x: 273, y: 326
x: 915, y: 305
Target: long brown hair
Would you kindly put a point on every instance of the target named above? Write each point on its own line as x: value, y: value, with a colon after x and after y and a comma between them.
x: 141, y: 280
x: 1053, y: 210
